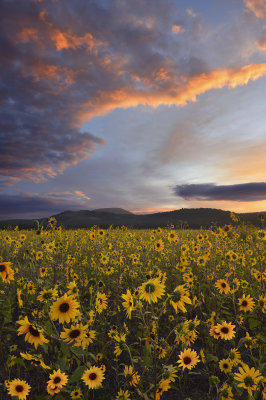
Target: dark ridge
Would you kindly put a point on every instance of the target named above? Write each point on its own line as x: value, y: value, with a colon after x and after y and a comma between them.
x: 194, y: 218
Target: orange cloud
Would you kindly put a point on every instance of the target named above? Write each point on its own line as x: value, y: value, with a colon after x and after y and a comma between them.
x: 176, y: 29
x: 62, y: 75
x: 258, y: 7
x: 261, y: 43
x: 28, y: 34
x: 187, y: 89
x: 67, y: 39
x: 81, y: 194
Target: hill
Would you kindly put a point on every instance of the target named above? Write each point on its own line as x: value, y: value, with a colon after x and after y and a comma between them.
x: 193, y: 217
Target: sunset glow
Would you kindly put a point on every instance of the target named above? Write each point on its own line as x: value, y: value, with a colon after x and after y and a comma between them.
x: 121, y: 103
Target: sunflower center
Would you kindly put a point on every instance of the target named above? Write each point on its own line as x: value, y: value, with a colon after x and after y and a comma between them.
x: 186, y: 360
x: 226, y: 365
x: 92, y: 376
x: 223, y: 285
x: 248, y: 381
x: 244, y: 303
x: 176, y: 296
x: 36, y: 362
x: 64, y: 307
x: 47, y: 295
x: 57, y: 380
x: 2, y: 268
x: 19, y: 388
x: 224, y: 329
x: 75, y: 333
x: 33, y: 331
x: 149, y: 288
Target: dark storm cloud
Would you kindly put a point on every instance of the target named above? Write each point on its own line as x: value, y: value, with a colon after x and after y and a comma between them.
x: 64, y: 62
x: 25, y: 205
x: 253, y: 191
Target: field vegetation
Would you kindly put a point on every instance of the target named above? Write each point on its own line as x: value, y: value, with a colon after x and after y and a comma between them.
x: 125, y: 314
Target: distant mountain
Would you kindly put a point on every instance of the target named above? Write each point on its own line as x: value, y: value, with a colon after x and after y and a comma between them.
x: 193, y: 217
x: 113, y: 210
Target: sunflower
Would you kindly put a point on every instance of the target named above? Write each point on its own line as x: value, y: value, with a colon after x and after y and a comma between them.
x: 20, y: 301
x: 249, y: 341
x: 123, y: 395
x: 159, y: 246
x: 170, y: 373
x: 93, y: 377
x: 222, y: 286
x: 47, y: 295
x: 6, y: 272
x: 262, y: 303
x: 225, y: 365
x: 179, y: 297
x: 52, y: 389
x: 57, y: 379
x: 235, y: 285
x: 214, y: 332
x: 152, y: 290
x: 246, y: 303
x: 18, y: 388
x: 34, y: 360
x: 261, y: 235
x: 32, y: 334
x: 160, y: 352
x: 188, y: 359
x: 87, y: 338
x: 64, y: 309
x: 172, y: 236
x: 248, y: 378
x: 43, y: 272
x: 226, y: 392
x: 164, y: 386
x: 76, y: 394
x: 226, y: 330
x: 100, y: 302
x: 131, y: 375
x: 76, y: 332
x: 128, y: 304
x: 234, y: 356
x: 39, y: 256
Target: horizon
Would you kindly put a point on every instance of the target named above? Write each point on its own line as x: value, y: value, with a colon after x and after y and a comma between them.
x: 155, y: 105
x: 132, y: 212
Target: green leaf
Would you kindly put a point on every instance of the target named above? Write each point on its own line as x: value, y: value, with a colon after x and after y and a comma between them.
x: 253, y: 323
x: 63, y: 363
x: 65, y: 349
x: 77, y: 374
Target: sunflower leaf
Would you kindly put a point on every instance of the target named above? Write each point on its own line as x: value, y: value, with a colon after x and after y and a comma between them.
x: 77, y: 374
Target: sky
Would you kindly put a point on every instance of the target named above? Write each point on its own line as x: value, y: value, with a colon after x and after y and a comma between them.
x: 147, y: 105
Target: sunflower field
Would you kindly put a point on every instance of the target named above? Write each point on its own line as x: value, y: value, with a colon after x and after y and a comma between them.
x: 123, y: 314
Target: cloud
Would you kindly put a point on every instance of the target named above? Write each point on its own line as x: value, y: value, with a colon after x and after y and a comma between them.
x: 176, y: 29
x: 33, y: 205
x: 81, y: 194
x: 258, y: 7
x: 65, y: 63
x: 186, y: 90
x: 254, y: 191
x: 261, y: 43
